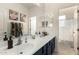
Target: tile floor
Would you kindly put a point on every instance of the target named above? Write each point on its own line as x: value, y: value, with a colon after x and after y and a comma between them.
x: 65, y: 48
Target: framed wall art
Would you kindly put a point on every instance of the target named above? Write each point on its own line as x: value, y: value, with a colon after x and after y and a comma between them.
x: 13, y: 15
x: 22, y: 17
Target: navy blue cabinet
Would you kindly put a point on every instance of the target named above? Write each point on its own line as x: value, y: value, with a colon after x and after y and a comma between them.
x: 47, y: 49
x: 39, y: 52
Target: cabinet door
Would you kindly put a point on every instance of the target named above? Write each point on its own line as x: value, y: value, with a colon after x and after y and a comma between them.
x: 52, y: 45
x: 48, y: 48
x: 44, y: 50
x: 39, y: 52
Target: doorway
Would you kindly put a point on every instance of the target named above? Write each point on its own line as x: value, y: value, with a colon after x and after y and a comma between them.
x: 66, y: 36
x: 33, y: 25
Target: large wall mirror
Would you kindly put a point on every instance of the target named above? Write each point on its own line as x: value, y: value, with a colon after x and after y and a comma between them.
x: 16, y: 23
x: 40, y: 24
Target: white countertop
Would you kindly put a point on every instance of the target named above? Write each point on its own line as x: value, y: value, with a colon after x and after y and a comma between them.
x: 28, y: 48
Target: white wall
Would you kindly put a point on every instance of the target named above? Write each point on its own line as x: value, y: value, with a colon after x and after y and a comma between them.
x: 71, y: 13
x: 66, y: 32
x: 43, y: 10
x: 4, y: 15
x: 47, y: 10
x: 37, y: 11
x: 77, y: 26
x: 1, y: 24
x: 54, y: 12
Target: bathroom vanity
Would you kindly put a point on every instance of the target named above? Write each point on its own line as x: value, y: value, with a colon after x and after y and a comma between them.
x: 47, y: 49
x: 38, y: 46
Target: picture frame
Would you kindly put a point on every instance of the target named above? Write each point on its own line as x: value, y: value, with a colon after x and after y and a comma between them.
x: 22, y: 17
x: 13, y: 15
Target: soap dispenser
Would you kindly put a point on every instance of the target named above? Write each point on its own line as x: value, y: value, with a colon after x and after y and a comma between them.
x: 5, y: 38
x: 10, y: 43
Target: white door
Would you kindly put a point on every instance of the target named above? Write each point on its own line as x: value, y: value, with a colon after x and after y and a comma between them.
x: 75, y: 37
x: 75, y: 32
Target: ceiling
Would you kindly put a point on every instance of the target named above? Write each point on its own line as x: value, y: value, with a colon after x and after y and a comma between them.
x: 65, y: 5
x: 29, y: 5
x: 54, y: 5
